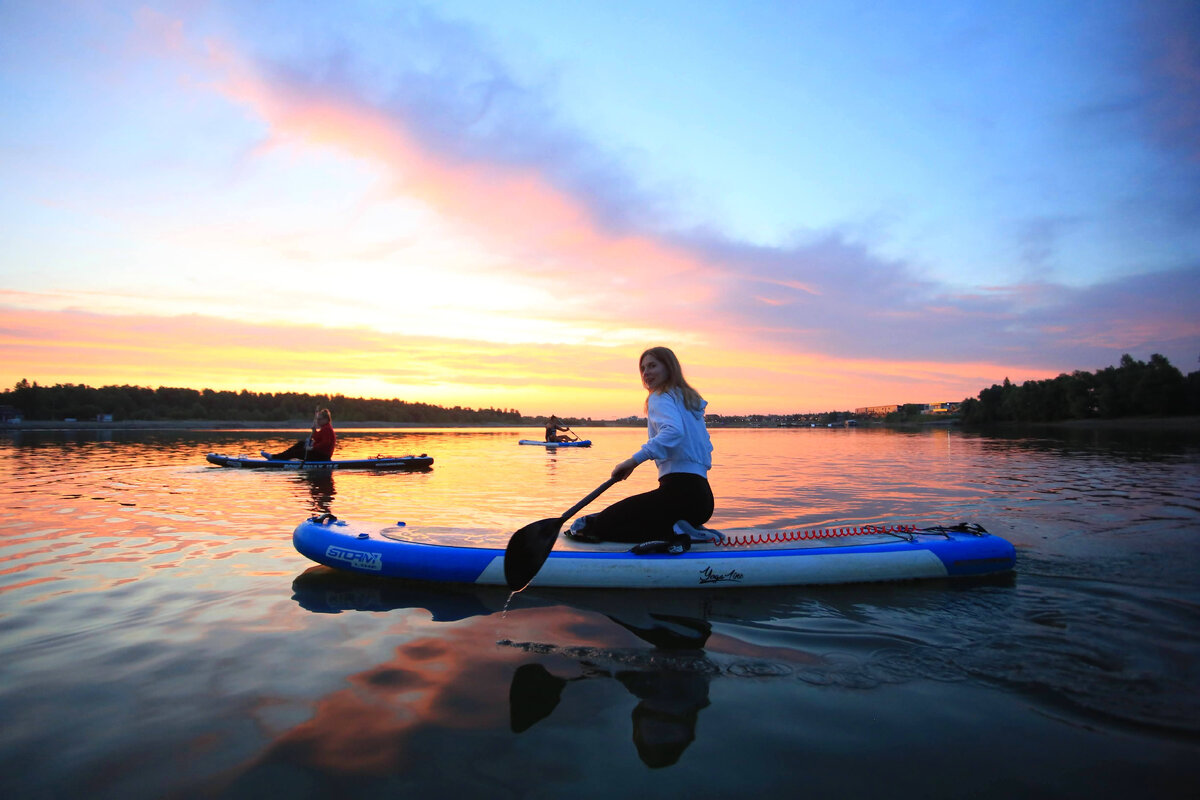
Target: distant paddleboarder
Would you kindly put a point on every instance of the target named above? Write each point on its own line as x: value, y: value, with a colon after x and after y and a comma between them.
x: 317, y: 447
x: 553, y: 426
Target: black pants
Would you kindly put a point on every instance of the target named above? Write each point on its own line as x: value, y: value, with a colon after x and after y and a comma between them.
x: 298, y: 450
x: 651, y: 515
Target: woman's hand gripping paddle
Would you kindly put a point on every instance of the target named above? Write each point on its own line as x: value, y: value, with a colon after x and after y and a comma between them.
x: 529, y: 547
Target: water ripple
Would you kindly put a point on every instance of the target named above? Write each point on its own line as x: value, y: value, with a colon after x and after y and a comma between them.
x: 150, y: 607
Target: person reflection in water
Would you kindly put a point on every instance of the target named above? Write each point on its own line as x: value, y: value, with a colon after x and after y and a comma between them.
x: 664, y: 722
x: 669, y: 700
x: 320, y: 488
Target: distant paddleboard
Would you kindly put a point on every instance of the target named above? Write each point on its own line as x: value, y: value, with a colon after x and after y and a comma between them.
x: 379, y: 462
x: 577, y: 443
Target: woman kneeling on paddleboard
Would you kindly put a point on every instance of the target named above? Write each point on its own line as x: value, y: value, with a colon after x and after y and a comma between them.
x: 680, y: 446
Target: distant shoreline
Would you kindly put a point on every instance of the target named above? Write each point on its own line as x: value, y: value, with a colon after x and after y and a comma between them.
x: 206, y: 425
x: 1184, y: 423
x: 1191, y: 423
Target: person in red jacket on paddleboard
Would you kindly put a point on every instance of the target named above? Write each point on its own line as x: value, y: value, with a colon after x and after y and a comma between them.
x: 317, y: 447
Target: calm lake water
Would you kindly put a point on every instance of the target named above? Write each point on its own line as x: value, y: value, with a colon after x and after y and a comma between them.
x: 160, y: 637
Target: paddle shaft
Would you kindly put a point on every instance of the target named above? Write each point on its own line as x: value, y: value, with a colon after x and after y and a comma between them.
x: 308, y: 441
x: 529, y: 547
x: 599, y: 490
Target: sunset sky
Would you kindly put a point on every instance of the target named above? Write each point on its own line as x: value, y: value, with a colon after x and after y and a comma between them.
x: 819, y: 205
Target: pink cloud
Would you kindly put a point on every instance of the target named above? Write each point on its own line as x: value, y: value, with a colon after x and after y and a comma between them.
x: 549, y: 235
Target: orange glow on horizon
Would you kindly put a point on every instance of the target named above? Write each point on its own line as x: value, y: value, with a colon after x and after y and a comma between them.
x: 570, y: 380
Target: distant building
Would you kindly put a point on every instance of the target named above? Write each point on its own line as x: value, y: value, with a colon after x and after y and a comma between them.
x: 941, y: 408
x: 948, y: 407
x: 876, y: 411
x: 10, y: 415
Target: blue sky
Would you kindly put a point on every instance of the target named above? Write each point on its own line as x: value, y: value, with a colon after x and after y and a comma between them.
x: 818, y: 204
x: 980, y: 141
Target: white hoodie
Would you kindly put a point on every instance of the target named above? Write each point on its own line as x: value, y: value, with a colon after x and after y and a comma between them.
x: 678, y: 438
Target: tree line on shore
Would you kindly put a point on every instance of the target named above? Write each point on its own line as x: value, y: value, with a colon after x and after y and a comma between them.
x: 1134, y: 388
x: 77, y: 401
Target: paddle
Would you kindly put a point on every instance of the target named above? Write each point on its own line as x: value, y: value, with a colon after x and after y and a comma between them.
x: 529, y: 547
x: 308, y: 441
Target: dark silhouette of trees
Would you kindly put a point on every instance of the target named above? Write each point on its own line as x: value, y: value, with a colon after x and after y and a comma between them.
x: 1134, y: 388
x: 67, y: 400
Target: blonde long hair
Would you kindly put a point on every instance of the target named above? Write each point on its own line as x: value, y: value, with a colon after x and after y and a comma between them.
x: 675, y: 379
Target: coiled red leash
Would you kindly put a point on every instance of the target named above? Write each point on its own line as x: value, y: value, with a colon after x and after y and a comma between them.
x: 781, y: 537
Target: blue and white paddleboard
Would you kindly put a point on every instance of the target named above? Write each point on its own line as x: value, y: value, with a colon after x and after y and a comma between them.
x: 747, y: 557
x: 379, y: 462
x: 576, y: 443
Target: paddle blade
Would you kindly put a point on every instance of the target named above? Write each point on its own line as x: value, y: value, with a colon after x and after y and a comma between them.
x: 529, y: 547
x: 527, y: 550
